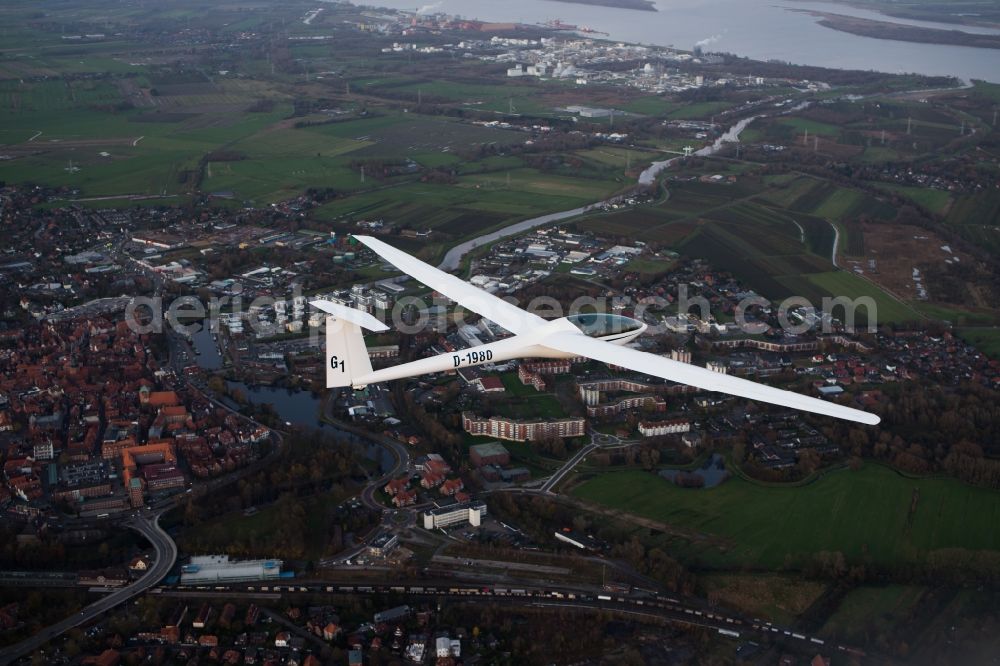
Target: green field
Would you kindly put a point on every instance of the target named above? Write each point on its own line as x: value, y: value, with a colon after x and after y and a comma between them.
x: 649, y: 266
x: 936, y: 201
x: 839, y: 204
x: 764, y: 250
x: 987, y: 340
x: 864, y: 513
x: 803, y: 125
x: 844, y: 283
x: 525, y: 97
x: 880, y: 154
x: 700, y: 110
x: 530, y: 407
x: 957, y: 316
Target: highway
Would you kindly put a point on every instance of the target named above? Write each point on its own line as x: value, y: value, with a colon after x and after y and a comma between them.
x: 166, y: 556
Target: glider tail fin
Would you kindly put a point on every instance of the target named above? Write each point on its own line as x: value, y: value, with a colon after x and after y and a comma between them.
x: 347, y: 358
x: 346, y: 353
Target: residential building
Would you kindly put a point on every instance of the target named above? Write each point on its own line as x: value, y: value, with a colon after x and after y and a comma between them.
x: 661, y: 428
x: 523, y: 431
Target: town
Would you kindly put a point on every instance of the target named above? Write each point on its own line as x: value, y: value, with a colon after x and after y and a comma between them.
x: 178, y: 185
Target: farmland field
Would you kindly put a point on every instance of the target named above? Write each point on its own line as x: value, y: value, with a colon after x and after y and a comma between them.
x: 933, y: 200
x: 977, y: 218
x: 803, y: 125
x: 844, y: 283
x: 959, y: 316
x: 649, y: 266
x: 629, y: 223
x: 769, y: 257
x: 864, y: 513
x: 700, y: 110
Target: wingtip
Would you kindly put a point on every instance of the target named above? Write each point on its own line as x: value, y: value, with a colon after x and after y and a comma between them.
x: 870, y: 419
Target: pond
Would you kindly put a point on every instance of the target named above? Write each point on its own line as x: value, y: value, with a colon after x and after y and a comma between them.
x: 712, y: 473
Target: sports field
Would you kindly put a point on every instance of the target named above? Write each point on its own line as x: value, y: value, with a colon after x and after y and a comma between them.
x: 873, y: 512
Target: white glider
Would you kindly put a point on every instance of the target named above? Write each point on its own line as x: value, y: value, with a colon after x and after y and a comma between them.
x: 597, y: 336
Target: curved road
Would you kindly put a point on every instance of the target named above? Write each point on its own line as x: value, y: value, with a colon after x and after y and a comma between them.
x: 836, y: 244
x: 166, y: 556
x: 453, y: 259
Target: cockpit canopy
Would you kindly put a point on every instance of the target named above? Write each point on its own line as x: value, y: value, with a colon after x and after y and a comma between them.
x: 601, y: 325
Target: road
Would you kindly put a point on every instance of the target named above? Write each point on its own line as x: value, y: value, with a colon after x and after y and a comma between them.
x: 398, y: 451
x: 836, y: 244
x: 597, y: 441
x: 390, y: 521
x: 568, y: 467
x: 636, y: 603
x: 166, y: 556
x: 453, y: 259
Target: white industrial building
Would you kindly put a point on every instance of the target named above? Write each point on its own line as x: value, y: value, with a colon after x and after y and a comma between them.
x: 444, y: 516
x: 219, y: 568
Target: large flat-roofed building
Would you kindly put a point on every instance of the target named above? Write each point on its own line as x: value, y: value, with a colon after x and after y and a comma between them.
x: 393, y: 614
x: 651, y: 403
x: 217, y: 568
x: 491, y: 453
x: 445, y: 516
x: 383, y: 545
x: 165, y: 473
x: 158, y: 239
x: 522, y: 431
x: 162, y: 476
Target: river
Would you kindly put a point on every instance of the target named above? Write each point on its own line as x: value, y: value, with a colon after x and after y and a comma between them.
x: 759, y: 29
x: 299, y: 408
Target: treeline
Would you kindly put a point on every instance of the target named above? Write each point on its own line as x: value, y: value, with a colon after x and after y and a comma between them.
x: 313, y: 473
x: 738, y: 66
x: 930, y: 428
x: 310, y: 463
x: 448, y: 441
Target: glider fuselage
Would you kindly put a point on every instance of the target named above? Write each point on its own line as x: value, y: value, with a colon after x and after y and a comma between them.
x: 616, y: 329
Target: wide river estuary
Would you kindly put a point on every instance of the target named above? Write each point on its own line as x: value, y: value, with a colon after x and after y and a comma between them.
x: 759, y: 29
